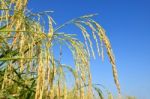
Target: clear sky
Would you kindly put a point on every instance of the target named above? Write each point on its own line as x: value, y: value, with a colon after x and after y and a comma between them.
x: 127, y: 23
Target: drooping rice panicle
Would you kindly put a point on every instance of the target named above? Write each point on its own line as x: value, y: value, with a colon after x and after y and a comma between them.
x: 94, y: 36
x: 104, y: 38
x: 86, y: 37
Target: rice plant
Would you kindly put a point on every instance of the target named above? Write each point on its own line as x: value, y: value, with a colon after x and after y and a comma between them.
x: 28, y: 67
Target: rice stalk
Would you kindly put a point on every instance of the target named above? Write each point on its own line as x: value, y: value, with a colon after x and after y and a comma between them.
x: 110, y: 96
x: 40, y: 79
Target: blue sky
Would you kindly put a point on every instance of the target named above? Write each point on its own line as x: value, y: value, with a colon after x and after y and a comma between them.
x: 127, y: 23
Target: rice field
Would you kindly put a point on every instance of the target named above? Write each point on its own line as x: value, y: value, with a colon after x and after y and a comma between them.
x: 28, y: 68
